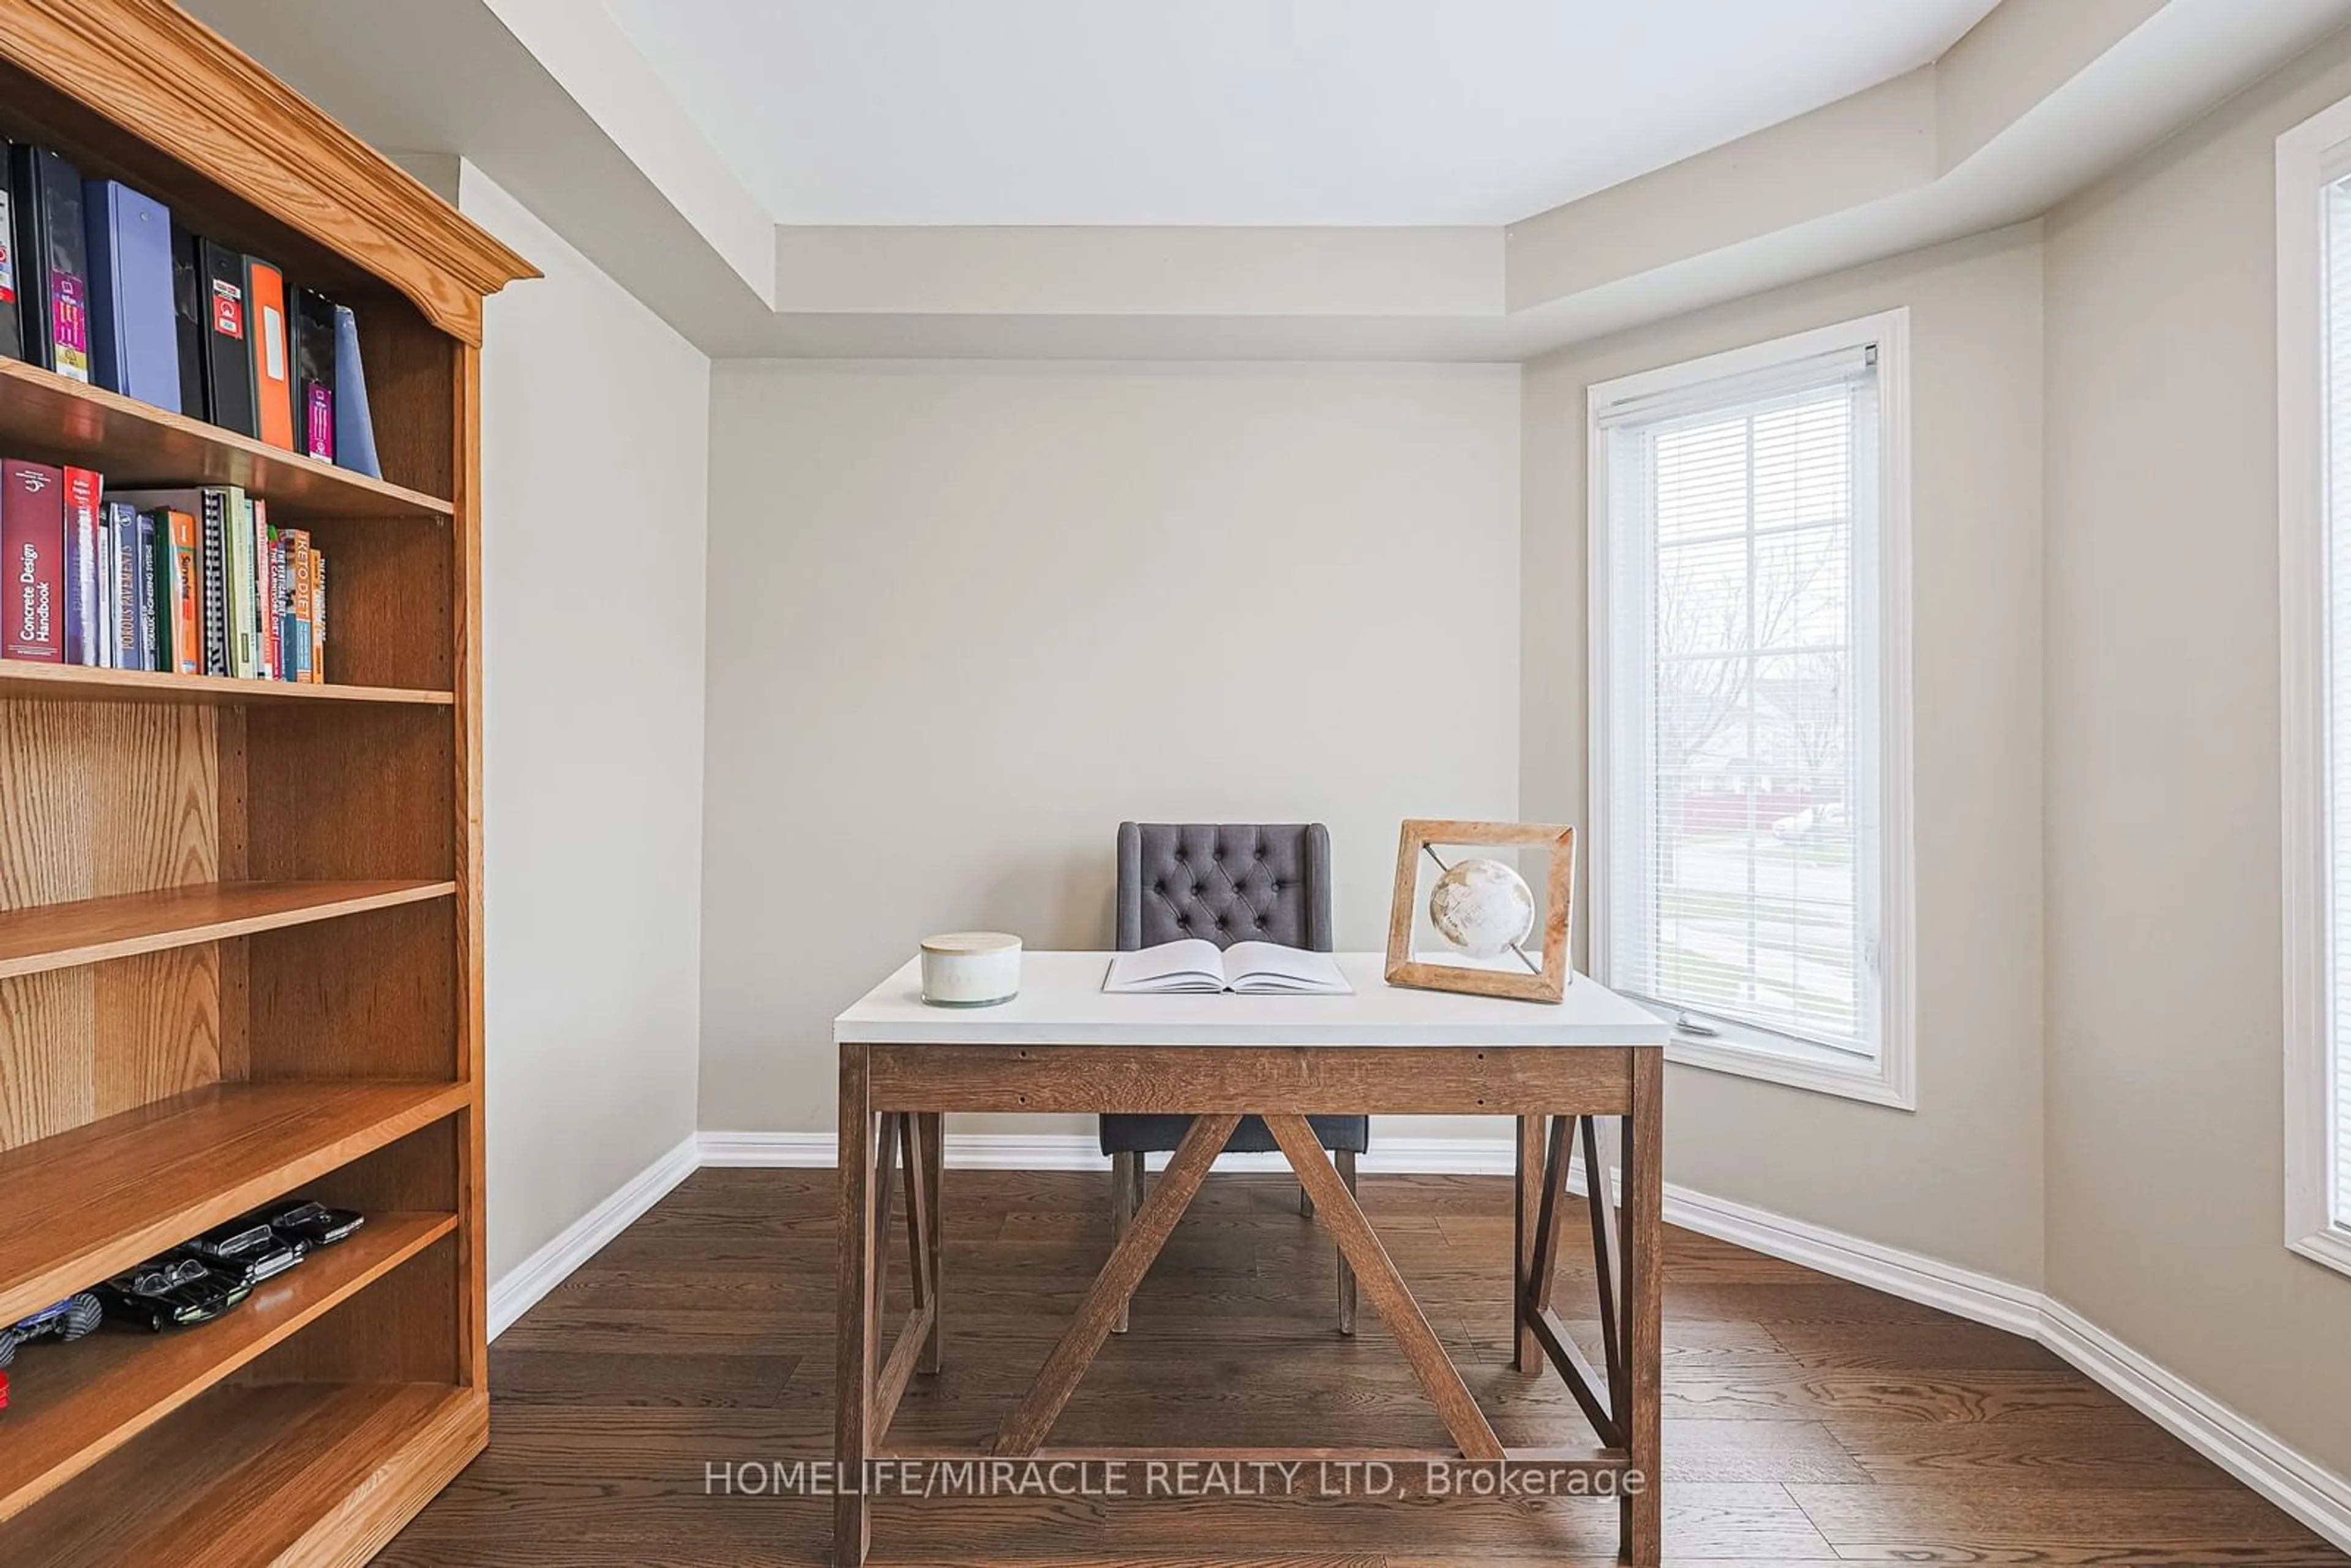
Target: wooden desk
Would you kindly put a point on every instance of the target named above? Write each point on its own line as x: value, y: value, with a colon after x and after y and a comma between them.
x: 1062, y: 1045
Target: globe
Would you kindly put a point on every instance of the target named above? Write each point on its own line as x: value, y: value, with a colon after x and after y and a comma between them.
x: 1481, y: 906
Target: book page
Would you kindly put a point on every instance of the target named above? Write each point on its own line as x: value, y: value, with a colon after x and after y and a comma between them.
x: 1190, y: 964
x: 1258, y: 969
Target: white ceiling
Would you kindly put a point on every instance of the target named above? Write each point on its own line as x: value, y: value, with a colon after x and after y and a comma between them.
x: 1247, y: 112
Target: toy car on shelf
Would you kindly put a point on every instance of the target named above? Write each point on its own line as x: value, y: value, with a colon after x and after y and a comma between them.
x: 249, y: 1248
x: 68, y: 1320
x: 314, y: 1224
x: 178, y: 1288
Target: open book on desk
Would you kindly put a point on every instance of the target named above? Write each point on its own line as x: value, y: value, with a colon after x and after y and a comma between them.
x: 1245, y: 969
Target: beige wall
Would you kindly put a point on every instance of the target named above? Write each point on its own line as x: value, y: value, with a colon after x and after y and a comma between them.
x: 2165, y: 1206
x: 595, y: 432
x: 963, y: 618
x: 1959, y: 1179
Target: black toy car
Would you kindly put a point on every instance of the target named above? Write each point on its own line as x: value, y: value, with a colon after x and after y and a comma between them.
x: 312, y: 1224
x: 250, y: 1247
x: 70, y: 1319
x: 177, y: 1289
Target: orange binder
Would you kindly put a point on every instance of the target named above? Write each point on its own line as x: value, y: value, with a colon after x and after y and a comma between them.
x: 273, y: 373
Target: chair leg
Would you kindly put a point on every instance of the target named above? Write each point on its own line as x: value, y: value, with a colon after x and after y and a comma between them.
x: 1124, y: 1170
x: 1346, y: 1160
x: 1305, y: 1204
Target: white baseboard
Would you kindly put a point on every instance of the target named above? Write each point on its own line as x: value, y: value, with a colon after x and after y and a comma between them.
x: 1913, y: 1276
x: 2311, y: 1493
x: 2308, y: 1490
x: 522, y: 1287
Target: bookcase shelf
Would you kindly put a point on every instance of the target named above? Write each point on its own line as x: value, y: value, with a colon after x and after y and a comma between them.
x: 54, y: 419
x: 81, y: 1205
x: 277, y: 1474
x: 74, y: 682
x: 83, y: 1401
x: 93, y: 930
x: 241, y: 921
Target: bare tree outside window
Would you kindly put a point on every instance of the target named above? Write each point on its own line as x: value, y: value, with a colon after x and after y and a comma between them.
x: 1750, y: 718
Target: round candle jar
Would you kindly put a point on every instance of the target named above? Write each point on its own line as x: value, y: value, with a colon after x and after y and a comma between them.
x: 970, y: 969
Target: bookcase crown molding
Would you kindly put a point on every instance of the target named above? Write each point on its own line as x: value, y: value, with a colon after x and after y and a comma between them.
x: 187, y: 92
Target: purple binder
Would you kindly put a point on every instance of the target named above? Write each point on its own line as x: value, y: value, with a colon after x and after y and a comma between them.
x: 136, y: 328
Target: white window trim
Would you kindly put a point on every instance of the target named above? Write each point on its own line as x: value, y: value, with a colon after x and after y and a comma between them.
x: 1891, y: 1079
x: 2308, y: 157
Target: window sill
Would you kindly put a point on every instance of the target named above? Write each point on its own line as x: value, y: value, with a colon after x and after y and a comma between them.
x: 2330, y: 1246
x: 1815, y: 1067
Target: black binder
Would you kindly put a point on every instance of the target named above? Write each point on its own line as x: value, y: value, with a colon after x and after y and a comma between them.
x: 314, y: 374
x: 228, y: 339
x: 53, y: 276
x: 188, y: 304
x: 12, y: 262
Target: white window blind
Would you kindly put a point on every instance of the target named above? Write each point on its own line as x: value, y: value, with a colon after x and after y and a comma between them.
x: 2338, y: 479
x: 1741, y: 748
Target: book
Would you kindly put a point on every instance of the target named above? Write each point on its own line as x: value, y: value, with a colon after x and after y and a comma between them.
x: 54, y: 274
x: 273, y: 372
x: 318, y: 617
x: 120, y: 533
x: 134, y: 338
x: 236, y: 568
x: 314, y: 375
x: 229, y: 347
x: 296, y: 608
x: 1245, y: 969
x: 189, y: 323
x: 179, y: 618
x: 270, y: 562
x: 110, y: 580
x: 210, y: 508
x: 354, y: 430
x: 12, y: 326
x: 83, y: 609
x: 32, y: 562
x: 142, y: 563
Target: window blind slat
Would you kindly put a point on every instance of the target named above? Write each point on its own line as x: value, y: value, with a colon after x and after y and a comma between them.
x: 1740, y: 818
x: 2337, y: 477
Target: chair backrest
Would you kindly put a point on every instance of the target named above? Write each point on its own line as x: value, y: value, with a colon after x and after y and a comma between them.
x: 1224, y: 882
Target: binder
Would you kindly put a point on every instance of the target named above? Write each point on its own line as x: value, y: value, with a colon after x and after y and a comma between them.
x: 12, y: 326
x: 228, y: 339
x: 272, y: 375
x: 54, y: 278
x: 354, y: 430
x: 314, y: 375
x: 188, y: 310
x: 134, y: 338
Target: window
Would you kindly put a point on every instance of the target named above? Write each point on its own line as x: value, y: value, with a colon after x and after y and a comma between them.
x: 1749, y: 749
x: 2314, y: 167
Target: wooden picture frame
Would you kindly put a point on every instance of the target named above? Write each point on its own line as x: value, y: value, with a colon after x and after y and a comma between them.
x: 1419, y: 835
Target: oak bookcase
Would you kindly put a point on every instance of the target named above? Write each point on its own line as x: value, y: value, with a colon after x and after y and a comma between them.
x: 241, y: 923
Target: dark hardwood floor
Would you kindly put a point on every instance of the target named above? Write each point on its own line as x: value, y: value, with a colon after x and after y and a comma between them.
x: 1807, y: 1420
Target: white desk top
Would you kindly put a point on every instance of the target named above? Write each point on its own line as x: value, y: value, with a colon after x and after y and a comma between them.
x: 1061, y: 1003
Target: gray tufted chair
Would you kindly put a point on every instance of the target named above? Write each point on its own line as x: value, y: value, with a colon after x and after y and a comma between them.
x: 1225, y: 882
